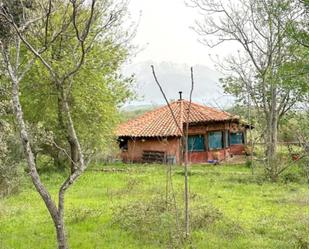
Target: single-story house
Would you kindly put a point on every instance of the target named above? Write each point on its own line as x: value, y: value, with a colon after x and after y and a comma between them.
x: 155, y: 137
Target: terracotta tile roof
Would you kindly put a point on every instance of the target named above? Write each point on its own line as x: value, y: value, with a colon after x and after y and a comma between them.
x: 160, y: 122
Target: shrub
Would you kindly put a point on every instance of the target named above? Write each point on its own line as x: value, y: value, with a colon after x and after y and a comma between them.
x: 292, y: 177
x: 77, y: 215
x: 304, y: 165
x: 301, y: 239
x: 278, y: 166
x: 229, y: 229
x: 148, y: 220
x: 302, y: 242
x: 158, y: 222
x: 204, y: 216
x: 9, y: 178
x: 248, y: 163
x: 293, y: 174
x: 10, y: 166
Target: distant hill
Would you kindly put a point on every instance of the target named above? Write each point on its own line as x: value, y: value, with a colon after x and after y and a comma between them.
x: 174, y: 78
x: 132, y: 111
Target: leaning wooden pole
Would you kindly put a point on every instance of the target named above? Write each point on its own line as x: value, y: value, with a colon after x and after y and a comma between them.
x: 184, y: 149
x: 186, y: 190
x: 178, y: 127
x: 250, y: 123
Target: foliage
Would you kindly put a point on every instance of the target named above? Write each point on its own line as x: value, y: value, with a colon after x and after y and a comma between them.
x: 299, y: 122
x: 59, y: 38
x: 15, y: 8
x: 269, y: 71
x: 251, y: 214
x: 148, y: 221
x: 11, y: 171
x: 155, y: 220
x: 98, y: 90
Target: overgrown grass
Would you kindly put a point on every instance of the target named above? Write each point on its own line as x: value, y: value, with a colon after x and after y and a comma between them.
x: 125, y: 206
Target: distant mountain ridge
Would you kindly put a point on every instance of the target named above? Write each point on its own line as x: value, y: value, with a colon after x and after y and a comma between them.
x: 175, y: 77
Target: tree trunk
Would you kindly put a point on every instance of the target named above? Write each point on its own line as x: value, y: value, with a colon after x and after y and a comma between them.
x: 61, y: 238
x: 273, y: 147
x: 65, y: 125
x: 74, y: 155
x: 51, y: 206
x: 272, y: 136
x: 186, y: 190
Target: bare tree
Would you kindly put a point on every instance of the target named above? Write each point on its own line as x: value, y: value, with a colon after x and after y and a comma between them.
x: 30, y: 32
x: 184, y: 146
x: 262, y: 65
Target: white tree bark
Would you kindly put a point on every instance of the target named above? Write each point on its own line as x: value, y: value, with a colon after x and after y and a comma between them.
x: 56, y: 216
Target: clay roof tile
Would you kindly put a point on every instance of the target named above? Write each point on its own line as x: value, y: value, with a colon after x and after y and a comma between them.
x: 160, y: 122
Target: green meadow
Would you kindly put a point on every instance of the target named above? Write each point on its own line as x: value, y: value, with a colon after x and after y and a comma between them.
x: 140, y: 206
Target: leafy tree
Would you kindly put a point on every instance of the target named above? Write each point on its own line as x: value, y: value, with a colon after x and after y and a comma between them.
x: 266, y: 66
x: 97, y: 92
x: 57, y: 38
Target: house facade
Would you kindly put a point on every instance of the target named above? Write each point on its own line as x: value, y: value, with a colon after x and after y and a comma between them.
x: 158, y: 135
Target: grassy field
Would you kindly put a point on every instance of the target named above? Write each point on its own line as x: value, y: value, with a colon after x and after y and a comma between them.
x: 124, y: 208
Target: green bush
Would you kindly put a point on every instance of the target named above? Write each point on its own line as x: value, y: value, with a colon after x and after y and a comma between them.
x: 158, y: 222
x: 80, y: 214
x: 10, y: 177
x: 150, y: 221
x: 294, y: 174
x: 301, y: 239
x: 290, y: 177
x: 204, y: 216
x: 11, y: 170
x: 248, y: 163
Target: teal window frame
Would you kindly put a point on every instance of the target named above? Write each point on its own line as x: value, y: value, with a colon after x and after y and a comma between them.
x: 215, y: 140
x: 237, y: 138
x: 196, y: 143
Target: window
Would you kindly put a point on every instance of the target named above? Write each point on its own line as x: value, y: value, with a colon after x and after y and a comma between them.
x: 237, y: 138
x: 196, y: 143
x: 215, y: 140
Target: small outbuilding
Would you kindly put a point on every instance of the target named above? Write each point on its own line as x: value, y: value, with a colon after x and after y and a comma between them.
x: 155, y: 137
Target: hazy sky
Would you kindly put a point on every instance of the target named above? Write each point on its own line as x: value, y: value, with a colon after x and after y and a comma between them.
x: 164, y: 33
